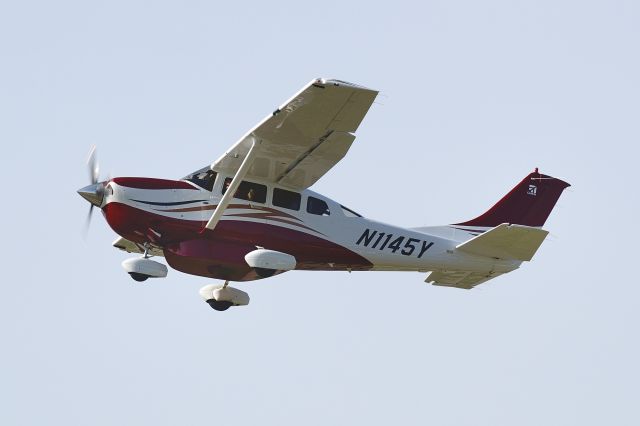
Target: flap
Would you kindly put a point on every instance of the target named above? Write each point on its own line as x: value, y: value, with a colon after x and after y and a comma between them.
x: 319, y: 161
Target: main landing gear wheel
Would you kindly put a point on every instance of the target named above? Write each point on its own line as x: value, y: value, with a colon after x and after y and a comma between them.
x: 139, y: 277
x: 264, y: 272
x: 222, y: 297
x: 223, y: 305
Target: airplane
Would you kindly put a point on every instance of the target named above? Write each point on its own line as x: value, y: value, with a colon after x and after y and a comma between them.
x: 251, y: 215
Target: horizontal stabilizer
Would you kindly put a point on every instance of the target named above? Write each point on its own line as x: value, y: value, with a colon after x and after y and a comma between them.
x: 460, y: 279
x: 131, y: 247
x: 517, y: 242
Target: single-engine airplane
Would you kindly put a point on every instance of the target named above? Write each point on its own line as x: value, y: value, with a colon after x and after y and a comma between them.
x: 251, y: 214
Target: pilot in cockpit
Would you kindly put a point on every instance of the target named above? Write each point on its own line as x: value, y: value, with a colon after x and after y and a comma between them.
x: 207, y: 178
x: 204, y: 179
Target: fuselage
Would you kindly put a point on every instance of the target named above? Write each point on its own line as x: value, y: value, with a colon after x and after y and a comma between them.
x: 320, y: 233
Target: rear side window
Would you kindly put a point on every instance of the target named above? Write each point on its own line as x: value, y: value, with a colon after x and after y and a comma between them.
x: 248, y: 191
x: 287, y: 199
x: 317, y: 206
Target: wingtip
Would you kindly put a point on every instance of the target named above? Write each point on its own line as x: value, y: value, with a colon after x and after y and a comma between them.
x: 337, y: 82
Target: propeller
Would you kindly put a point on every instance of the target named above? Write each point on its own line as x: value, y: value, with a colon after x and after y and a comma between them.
x: 94, y: 168
x: 94, y: 192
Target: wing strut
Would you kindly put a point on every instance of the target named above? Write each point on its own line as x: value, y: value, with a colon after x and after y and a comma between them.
x: 235, y: 182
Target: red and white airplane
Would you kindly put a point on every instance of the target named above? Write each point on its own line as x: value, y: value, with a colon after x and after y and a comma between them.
x: 250, y: 214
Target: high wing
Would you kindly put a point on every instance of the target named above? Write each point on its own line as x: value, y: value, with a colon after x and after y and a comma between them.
x: 300, y: 141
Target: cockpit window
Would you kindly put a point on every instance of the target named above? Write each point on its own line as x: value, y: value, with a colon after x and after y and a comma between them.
x: 317, y: 206
x: 204, y: 178
x: 348, y: 212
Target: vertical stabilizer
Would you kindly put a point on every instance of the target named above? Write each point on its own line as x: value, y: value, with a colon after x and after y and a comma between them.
x: 529, y: 203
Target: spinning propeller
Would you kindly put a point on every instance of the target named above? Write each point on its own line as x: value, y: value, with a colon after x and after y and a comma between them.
x: 93, y: 193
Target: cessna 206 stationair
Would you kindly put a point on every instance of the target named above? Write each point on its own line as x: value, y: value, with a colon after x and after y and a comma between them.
x: 250, y: 214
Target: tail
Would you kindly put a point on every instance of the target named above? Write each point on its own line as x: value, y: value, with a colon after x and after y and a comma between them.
x: 529, y: 203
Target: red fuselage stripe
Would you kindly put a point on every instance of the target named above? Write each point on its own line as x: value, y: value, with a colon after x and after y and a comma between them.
x: 151, y: 183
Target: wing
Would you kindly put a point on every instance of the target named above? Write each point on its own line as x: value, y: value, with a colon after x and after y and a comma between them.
x: 300, y: 141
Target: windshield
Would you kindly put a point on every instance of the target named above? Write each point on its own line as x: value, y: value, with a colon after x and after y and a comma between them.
x: 204, y: 178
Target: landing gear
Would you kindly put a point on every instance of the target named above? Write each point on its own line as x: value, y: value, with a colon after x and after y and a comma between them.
x: 264, y: 272
x: 222, y: 297
x: 138, y: 277
x: 219, y: 306
x: 142, y: 268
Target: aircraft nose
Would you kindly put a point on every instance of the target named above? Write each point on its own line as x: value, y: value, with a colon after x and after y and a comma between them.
x: 93, y: 193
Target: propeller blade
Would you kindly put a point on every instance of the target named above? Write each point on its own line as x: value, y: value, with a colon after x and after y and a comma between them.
x: 87, y: 222
x: 94, y: 176
x: 94, y: 168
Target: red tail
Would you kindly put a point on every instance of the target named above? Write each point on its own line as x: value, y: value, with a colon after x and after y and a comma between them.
x: 529, y: 203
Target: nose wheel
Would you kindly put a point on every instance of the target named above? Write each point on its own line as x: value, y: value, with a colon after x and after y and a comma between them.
x: 142, y: 268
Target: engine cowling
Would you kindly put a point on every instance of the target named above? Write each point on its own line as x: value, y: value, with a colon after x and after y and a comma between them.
x: 141, y: 268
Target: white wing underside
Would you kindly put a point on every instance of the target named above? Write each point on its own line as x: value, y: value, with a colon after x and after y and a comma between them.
x: 303, y: 138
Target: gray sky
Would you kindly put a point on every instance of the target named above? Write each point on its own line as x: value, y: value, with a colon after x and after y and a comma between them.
x: 474, y: 96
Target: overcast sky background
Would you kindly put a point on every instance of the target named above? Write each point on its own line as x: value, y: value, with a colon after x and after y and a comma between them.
x: 474, y: 95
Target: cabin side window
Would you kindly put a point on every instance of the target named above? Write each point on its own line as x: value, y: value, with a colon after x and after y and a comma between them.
x: 317, y: 206
x: 287, y: 199
x: 248, y: 191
